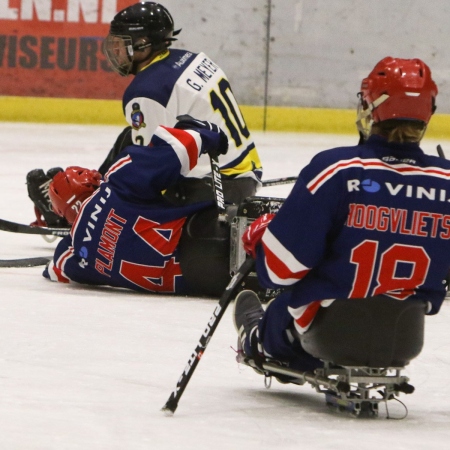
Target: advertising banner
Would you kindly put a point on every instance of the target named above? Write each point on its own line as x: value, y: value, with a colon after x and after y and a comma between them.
x: 53, y: 48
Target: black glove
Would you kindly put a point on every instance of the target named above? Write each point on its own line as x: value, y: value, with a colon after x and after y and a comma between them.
x: 215, y: 141
x: 37, y: 185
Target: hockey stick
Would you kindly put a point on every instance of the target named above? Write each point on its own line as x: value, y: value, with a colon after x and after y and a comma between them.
x: 277, y: 181
x: 25, y: 262
x: 217, y: 186
x: 172, y: 403
x: 15, y: 227
x: 440, y: 151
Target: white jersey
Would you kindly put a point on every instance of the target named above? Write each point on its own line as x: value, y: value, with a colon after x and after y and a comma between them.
x: 180, y: 82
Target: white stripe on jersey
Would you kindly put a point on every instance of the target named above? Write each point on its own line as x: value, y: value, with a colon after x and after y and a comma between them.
x: 301, y: 323
x: 56, y: 271
x: 117, y: 165
x: 375, y: 164
x: 285, y: 256
x: 179, y: 147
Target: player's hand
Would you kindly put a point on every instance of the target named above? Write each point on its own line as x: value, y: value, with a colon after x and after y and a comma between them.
x: 214, y: 140
x: 253, y: 234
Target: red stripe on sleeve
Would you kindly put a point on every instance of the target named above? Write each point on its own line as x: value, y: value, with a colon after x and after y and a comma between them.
x: 279, y: 268
x: 188, y: 141
x: 308, y: 316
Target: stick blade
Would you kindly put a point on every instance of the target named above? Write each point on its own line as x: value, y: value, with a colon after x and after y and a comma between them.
x: 167, y: 412
x: 25, y: 262
x: 14, y: 227
x: 170, y: 407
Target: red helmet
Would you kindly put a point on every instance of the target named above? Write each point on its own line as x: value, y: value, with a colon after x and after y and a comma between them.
x: 397, y: 89
x: 70, y: 188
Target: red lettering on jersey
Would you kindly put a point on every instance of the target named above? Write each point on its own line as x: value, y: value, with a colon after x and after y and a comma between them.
x: 152, y: 278
x: 162, y: 238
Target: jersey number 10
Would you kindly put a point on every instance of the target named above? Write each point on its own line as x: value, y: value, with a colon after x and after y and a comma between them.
x: 226, y: 104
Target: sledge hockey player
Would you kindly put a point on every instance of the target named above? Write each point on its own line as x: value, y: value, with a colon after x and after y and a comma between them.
x: 168, y: 83
x: 126, y: 234
x: 361, y: 222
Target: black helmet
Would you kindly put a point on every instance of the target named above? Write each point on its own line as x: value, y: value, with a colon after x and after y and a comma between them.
x: 140, y: 25
x: 145, y: 19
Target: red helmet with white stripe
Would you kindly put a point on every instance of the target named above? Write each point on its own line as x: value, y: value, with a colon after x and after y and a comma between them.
x: 70, y: 188
x: 396, y: 89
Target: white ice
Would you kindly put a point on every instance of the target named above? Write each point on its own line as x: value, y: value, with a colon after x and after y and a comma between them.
x: 86, y: 368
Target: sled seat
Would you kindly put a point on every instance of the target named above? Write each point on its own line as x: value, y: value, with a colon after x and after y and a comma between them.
x: 376, y: 332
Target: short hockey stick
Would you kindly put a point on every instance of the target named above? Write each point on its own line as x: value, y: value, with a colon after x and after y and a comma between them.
x: 25, y: 262
x: 172, y: 403
x: 277, y: 181
x: 15, y: 227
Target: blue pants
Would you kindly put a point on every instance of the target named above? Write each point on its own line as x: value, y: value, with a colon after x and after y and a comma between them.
x: 272, y: 335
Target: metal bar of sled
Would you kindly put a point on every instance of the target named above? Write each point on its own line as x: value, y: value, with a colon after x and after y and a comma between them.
x: 315, y: 380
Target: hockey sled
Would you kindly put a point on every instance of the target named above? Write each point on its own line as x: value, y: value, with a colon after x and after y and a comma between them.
x: 211, y: 250
x: 365, y: 345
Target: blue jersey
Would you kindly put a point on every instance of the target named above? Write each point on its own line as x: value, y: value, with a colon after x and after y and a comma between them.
x: 361, y: 221
x: 180, y: 82
x: 126, y: 234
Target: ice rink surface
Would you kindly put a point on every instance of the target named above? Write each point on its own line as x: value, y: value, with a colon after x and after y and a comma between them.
x: 90, y: 368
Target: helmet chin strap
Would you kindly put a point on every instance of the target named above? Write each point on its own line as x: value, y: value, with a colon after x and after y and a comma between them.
x: 141, y: 47
x: 139, y: 60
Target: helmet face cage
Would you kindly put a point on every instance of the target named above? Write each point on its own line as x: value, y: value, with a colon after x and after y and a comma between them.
x: 142, y: 25
x: 119, y: 52
x: 364, y: 119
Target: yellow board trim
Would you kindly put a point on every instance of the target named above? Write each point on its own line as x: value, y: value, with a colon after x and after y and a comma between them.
x: 58, y: 110
x: 277, y: 118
